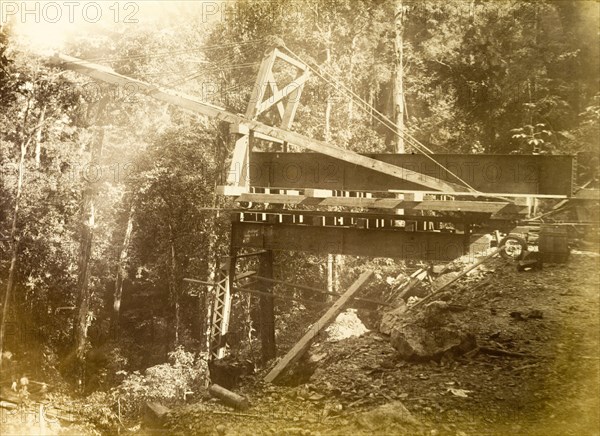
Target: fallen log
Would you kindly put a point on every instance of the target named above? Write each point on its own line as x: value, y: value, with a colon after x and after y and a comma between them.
x: 303, y: 344
x: 8, y: 405
x: 230, y: 398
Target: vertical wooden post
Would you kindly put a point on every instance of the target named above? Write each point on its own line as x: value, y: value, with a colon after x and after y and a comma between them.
x: 467, y: 238
x: 267, y: 313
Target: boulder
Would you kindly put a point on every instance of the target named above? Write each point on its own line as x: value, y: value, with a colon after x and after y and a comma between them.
x: 387, y: 416
x: 429, y: 333
x: 392, y: 318
x: 418, y: 343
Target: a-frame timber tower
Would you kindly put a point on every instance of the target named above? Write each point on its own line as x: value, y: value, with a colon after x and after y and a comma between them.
x: 326, y: 200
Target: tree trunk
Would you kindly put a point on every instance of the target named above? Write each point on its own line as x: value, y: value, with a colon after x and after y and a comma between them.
x: 398, y: 94
x: 173, y: 282
x: 351, y: 75
x: 327, y: 138
x: 121, y: 274
x: 338, y: 263
x: 85, y: 252
x: 328, y: 102
x: 330, y: 274
x: 327, y: 129
x: 38, y: 139
x: 14, y: 250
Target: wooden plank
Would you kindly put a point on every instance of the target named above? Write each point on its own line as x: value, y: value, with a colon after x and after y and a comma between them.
x: 502, y: 174
x: 303, y: 344
x: 254, y: 253
x: 353, y: 241
x: 274, y: 90
x: 290, y: 60
x: 197, y: 106
x: 231, y: 191
x: 267, y: 138
x: 270, y: 198
x: 489, y: 207
x: 293, y: 101
x: 244, y: 275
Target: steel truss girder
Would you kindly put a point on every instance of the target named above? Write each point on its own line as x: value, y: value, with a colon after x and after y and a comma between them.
x: 383, y: 242
x: 493, y: 174
x: 221, y: 312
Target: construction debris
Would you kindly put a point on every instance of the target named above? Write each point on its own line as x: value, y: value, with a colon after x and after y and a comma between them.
x: 155, y: 415
x: 461, y: 274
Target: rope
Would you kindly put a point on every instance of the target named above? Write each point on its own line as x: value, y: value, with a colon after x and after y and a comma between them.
x: 219, y: 65
x: 382, y: 118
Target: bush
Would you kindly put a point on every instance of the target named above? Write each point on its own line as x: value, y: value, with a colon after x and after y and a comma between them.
x: 167, y: 383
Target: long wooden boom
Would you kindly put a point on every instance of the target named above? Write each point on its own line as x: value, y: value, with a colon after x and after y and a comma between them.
x: 192, y: 104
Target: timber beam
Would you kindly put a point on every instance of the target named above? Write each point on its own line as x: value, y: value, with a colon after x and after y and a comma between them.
x: 489, y: 207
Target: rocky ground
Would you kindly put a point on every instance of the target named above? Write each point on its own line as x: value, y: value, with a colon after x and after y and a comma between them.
x: 533, y: 371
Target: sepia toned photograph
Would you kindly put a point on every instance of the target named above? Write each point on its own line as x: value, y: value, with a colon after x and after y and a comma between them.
x: 300, y: 217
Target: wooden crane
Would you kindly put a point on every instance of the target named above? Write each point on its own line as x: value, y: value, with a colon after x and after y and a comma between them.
x: 334, y: 177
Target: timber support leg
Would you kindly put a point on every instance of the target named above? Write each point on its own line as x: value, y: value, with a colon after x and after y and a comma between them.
x: 267, y: 313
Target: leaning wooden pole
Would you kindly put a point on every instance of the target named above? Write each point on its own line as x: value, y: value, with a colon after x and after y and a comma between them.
x: 302, y: 345
x: 462, y: 273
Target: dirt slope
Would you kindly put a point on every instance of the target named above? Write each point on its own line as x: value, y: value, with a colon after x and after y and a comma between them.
x: 551, y: 317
